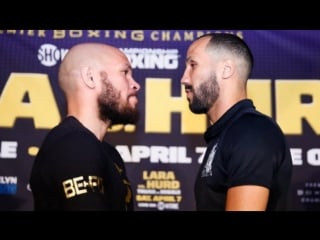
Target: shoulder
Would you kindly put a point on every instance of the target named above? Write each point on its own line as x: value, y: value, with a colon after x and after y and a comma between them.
x: 111, y: 151
x: 74, y: 140
x: 255, y: 131
x: 253, y: 123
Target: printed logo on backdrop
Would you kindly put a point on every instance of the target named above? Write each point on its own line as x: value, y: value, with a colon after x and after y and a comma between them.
x: 8, y: 149
x: 49, y: 55
x: 309, y: 193
x: 141, y: 58
x: 160, y: 190
x: 153, y: 58
x: 8, y: 185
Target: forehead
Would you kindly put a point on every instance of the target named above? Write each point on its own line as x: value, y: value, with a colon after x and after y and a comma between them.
x: 115, y: 59
x: 198, y: 47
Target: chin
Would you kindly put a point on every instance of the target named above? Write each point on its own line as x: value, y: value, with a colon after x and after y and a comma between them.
x: 133, y: 102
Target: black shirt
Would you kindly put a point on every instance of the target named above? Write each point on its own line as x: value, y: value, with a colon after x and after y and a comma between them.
x: 244, y: 147
x: 73, y: 170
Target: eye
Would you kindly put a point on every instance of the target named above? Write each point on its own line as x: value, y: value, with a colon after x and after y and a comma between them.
x: 191, y: 63
x: 126, y: 71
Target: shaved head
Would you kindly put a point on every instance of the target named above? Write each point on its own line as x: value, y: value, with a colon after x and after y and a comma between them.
x: 97, y: 78
x: 84, y: 55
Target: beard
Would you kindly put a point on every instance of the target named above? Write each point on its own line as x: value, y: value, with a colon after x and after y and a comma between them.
x: 205, y: 95
x: 112, y: 108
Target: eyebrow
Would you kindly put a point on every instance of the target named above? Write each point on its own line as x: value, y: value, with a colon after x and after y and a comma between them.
x: 190, y: 60
x: 126, y: 65
x: 130, y: 68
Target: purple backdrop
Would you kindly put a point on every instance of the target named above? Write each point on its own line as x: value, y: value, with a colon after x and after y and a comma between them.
x: 162, y: 152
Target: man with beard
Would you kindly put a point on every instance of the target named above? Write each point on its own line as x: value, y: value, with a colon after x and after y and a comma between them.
x: 75, y: 168
x: 247, y: 165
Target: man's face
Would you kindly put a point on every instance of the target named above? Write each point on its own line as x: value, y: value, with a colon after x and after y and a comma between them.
x: 200, y: 79
x: 113, y: 106
x: 203, y: 96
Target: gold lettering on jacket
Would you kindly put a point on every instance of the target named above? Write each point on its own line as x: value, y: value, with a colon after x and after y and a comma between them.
x: 81, y: 185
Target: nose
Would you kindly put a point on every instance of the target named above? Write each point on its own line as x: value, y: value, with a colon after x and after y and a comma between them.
x: 135, y: 86
x: 184, y: 78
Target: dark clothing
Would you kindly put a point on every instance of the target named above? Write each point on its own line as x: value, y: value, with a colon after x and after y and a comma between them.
x: 75, y: 171
x: 244, y: 147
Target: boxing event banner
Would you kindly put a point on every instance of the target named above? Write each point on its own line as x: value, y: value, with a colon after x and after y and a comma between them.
x: 162, y: 152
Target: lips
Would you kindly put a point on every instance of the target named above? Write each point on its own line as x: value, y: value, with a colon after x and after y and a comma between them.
x: 133, y: 99
x: 188, y: 95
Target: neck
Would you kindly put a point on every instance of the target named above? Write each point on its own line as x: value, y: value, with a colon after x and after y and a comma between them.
x: 92, y: 122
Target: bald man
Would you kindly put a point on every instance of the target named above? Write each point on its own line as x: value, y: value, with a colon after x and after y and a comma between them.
x: 75, y: 168
x: 247, y: 165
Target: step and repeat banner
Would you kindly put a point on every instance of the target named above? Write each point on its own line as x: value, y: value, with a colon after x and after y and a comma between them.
x: 163, y: 151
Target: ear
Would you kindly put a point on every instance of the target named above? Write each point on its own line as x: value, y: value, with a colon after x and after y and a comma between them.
x: 87, y: 77
x: 228, y: 69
